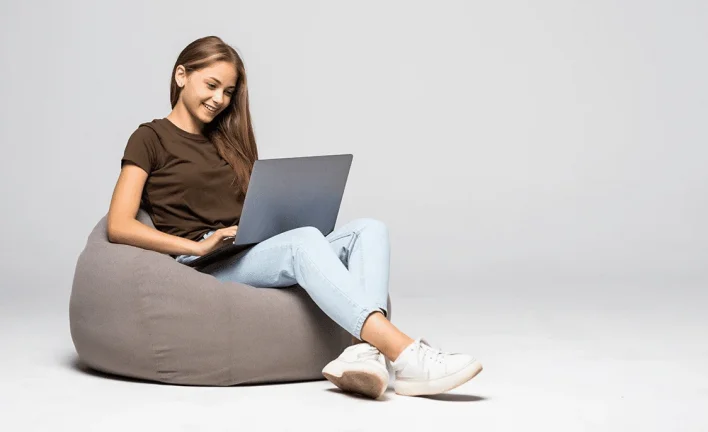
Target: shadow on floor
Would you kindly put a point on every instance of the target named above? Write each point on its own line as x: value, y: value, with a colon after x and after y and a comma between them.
x: 455, y: 397
x: 389, y: 394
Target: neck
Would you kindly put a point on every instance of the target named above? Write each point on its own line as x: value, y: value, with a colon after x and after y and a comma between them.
x: 184, y: 120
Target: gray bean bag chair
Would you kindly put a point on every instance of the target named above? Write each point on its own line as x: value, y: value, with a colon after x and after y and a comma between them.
x: 139, y: 313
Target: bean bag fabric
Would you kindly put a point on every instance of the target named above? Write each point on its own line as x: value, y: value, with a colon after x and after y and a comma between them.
x: 139, y: 313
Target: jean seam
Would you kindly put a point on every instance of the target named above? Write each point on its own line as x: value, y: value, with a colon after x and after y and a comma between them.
x: 356, y: 235
x: 357, y: 232
x: 341, y: 236
x: 365, y: 311
x: 361, y: 261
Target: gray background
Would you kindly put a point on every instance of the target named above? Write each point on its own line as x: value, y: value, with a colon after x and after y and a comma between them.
x: 536, y: 162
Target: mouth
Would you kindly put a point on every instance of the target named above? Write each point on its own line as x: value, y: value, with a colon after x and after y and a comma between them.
x: 210, y: 108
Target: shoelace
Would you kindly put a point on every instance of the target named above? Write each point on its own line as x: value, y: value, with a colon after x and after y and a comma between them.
x: 425, y: 351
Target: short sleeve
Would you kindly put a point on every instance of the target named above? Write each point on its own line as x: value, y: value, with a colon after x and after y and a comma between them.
x: 142, y: 149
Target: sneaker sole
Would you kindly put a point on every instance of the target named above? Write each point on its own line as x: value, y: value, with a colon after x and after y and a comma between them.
x: 440, y: 385
x: 366, y: 382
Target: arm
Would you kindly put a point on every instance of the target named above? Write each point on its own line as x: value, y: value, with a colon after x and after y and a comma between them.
x: 123, y: 227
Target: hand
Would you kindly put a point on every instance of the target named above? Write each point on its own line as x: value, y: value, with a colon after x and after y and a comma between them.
x: 216, y: 240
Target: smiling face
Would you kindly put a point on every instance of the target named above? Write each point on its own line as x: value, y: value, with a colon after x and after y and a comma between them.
x: 206, y: 92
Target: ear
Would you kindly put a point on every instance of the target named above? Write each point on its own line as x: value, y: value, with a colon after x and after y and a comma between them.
x: 180, y: 75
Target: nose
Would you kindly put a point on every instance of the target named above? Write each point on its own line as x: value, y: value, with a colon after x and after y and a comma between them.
x: 218, y: 97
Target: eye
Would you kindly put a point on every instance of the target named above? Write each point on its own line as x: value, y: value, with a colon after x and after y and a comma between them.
x: 211, y: 86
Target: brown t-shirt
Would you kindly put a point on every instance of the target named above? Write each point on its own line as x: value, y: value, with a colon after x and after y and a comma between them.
x: 188, y: 191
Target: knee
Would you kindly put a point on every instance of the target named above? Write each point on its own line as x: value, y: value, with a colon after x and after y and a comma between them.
x: 373, y: 225
x: 306, y: 235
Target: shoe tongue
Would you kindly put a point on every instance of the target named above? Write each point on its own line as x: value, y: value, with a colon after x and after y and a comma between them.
x: 425, y: 342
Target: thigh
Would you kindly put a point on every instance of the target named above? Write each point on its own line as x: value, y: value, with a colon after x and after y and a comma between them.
x: 268, y: 264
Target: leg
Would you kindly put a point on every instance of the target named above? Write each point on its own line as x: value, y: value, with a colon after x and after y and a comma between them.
x: 302, y: 256
x: 363, y: 246
x: 420, y: 369
x: 346, y: 274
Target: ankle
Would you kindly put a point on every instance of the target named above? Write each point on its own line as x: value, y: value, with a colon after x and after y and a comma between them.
x: 401, y: 346
x: 381, y: 333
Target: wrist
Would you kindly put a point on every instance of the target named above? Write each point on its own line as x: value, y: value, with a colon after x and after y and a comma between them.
x: 196, y: 248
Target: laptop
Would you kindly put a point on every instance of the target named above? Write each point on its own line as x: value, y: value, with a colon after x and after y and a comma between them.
x: 284, y: 194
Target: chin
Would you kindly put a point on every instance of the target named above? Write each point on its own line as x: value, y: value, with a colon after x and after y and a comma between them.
x: 204, y: 118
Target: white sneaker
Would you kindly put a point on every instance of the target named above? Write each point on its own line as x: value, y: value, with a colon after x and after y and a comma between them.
x: 361, y: 368
x: 422, y: 370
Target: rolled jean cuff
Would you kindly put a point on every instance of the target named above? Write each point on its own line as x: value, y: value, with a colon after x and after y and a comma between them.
x: 362, y: 318
x: 360, y: 322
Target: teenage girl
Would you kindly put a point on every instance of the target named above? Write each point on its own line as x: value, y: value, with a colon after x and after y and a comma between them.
x: 191, y: 169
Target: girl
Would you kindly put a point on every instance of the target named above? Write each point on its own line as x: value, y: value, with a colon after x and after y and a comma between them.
x: 191, y: 169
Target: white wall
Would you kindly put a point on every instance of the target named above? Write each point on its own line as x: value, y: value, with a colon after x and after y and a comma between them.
x: 546, y: 142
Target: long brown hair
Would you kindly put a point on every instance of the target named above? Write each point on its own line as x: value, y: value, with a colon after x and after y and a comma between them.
x: 231, y: 131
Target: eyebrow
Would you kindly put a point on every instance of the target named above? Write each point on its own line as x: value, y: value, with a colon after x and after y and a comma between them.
x: 220, y: 82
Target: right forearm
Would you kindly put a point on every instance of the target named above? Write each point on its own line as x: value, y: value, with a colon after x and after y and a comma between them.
x: 136, y: 233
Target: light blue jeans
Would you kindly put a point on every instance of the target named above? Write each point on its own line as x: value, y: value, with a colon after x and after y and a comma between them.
x: 345, y: 273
